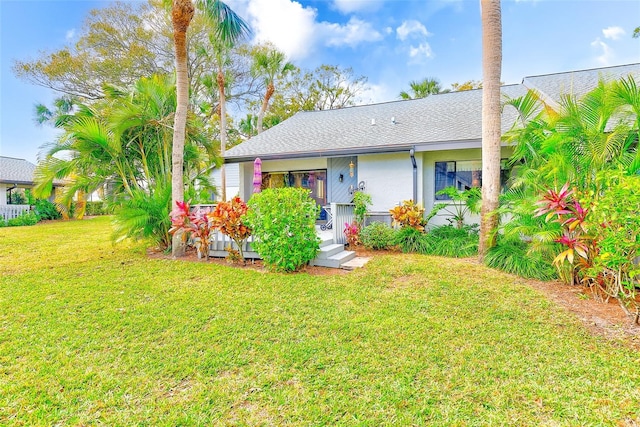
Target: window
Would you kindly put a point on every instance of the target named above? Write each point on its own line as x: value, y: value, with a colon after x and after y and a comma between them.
x: 463, y: 175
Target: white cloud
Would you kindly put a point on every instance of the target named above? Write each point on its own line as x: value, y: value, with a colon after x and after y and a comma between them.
x: 70, y: 34
x: 376, y: 93
x: 353, y: 33
x: 294, y: 29
x: 613, y: 33
x: 607, y: 54
x: 411, y: 27
x: 423, y: 50
x: 350, y: 6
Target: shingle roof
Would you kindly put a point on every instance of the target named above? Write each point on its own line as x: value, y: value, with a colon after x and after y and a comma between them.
x: 437, y: 119
x: 16, y: 171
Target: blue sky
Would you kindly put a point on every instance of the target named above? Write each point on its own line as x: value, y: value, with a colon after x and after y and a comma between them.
x: 390, y: 41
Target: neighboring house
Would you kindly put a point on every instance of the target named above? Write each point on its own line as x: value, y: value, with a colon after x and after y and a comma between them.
x: 397, y: 150
x: 14, y: 174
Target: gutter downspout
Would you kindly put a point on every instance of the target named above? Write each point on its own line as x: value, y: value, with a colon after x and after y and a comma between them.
x: 412, y: 153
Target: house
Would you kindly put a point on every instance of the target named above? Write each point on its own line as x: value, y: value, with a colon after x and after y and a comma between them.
x: 15, y: 175
x: 396, y: 150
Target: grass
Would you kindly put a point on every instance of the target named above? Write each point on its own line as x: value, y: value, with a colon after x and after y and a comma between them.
x: 92, y: 333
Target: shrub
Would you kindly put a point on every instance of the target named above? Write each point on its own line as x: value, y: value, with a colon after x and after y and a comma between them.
x: 362, y: 201
x: 96, y: 208
x: 450, y: 241
x: 464, y: 202
x: 229, y: 218
x: 408, y: 215
x: 352, y: 233
x: 145, y: 217
x: 514, y: 256
x: 194, y: 224
x: 377, y: 236
x: 409, y: 239
x: 283, y: 224
x: 46, y: 210
x: 27, y: 218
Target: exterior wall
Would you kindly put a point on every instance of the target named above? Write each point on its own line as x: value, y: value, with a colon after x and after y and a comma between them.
x: 3, y: 194
x: 339, y: 192
x: 388, y: 179
x: 232, y: 175
x: 293, y: 165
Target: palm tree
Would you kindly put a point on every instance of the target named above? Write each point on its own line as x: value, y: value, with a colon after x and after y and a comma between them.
x: 491, y: 122
x: 270, y: 64
x: 230, y: 27
x: 423, y: 88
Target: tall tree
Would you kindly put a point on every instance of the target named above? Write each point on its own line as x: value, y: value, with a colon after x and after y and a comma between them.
x: 423, y: 88
x: 491, y: 121
x: 269, y: 63
x: 229, y: 28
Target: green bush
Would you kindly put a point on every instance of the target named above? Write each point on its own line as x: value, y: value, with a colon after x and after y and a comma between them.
x: 514, y: 256
x: 377, y: 235
x: 409, y: 239
x: 283, y: 224
x: 27, y: 218
x: 97, y: 208
x: 450, y: 241
x: 46, y: 210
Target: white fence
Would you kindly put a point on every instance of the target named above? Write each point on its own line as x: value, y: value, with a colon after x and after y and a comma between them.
x: 8, y: 212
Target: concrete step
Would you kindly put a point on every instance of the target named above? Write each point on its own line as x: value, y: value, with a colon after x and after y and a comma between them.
x: 334, y: 261
x: 329, y: 250
x: 356, y: 262
x: 326, y: 241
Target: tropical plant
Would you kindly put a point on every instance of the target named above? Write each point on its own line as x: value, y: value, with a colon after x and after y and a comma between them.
x: 361, y: 201
x: 491, y: 121
x: 46, y: 210
x: 283, y: 224
x: 409, y: 214
x: 269, y: 64
x: 516, y: 257
x: 230, y: 27
x: 464, y: 202
x: 229, y: 218
x: 378, y: 236
x: 423, y: 88
x: 450, y: 241
x: 409, y: 240
x: 194, y: 225
x: 352, y: 233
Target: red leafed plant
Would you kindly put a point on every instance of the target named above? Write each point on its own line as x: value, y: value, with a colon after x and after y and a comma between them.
x: 194, y: 224
x: 352, y: 232
x: 228, y: 217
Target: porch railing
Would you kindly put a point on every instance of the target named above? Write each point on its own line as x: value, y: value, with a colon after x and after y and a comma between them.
x: 8, y: 212
x: 220, y: 242
x: 342, y: 213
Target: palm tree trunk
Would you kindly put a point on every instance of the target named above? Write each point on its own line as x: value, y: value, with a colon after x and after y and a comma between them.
x: 491, y: 120
x: 181, y: 15
x: 265, y: 104
x: 223, y: 131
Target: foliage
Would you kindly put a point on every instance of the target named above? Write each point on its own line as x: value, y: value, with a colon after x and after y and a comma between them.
x: 194, y: 225
x: 464, y: 202
x: 352, y: 233
x: 378, y: 236
x: 468, y: 85
x: 97, y: 208
x: 362, y: 201
x: 283, y: 225
x: 450, y: 241
x: 616, y: 229
x: 514, y: 256
x: 46, y: 210
x: 27, y: 218
x: 409, y: 214
x: 229, y: 218
x: 407, y: 332
x: 409, y: 240
x: 145, y: 217
x: 423, y: 88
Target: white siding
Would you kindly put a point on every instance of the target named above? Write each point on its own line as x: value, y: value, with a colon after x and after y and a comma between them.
x: 232, y: 175
x: 3, y: 194
x: 388, y: 179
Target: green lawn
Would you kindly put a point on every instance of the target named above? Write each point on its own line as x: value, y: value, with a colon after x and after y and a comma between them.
x: 92, y: 333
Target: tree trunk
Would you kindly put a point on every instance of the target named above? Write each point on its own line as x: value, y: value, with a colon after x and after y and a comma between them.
x: 181, y: 15
x: 491, y: 120
x: 223, y: 132
x: 265, y: 104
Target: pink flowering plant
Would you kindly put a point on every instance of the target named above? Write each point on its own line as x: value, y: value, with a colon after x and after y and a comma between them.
x: 194, y: 224
x: 352, y: 233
